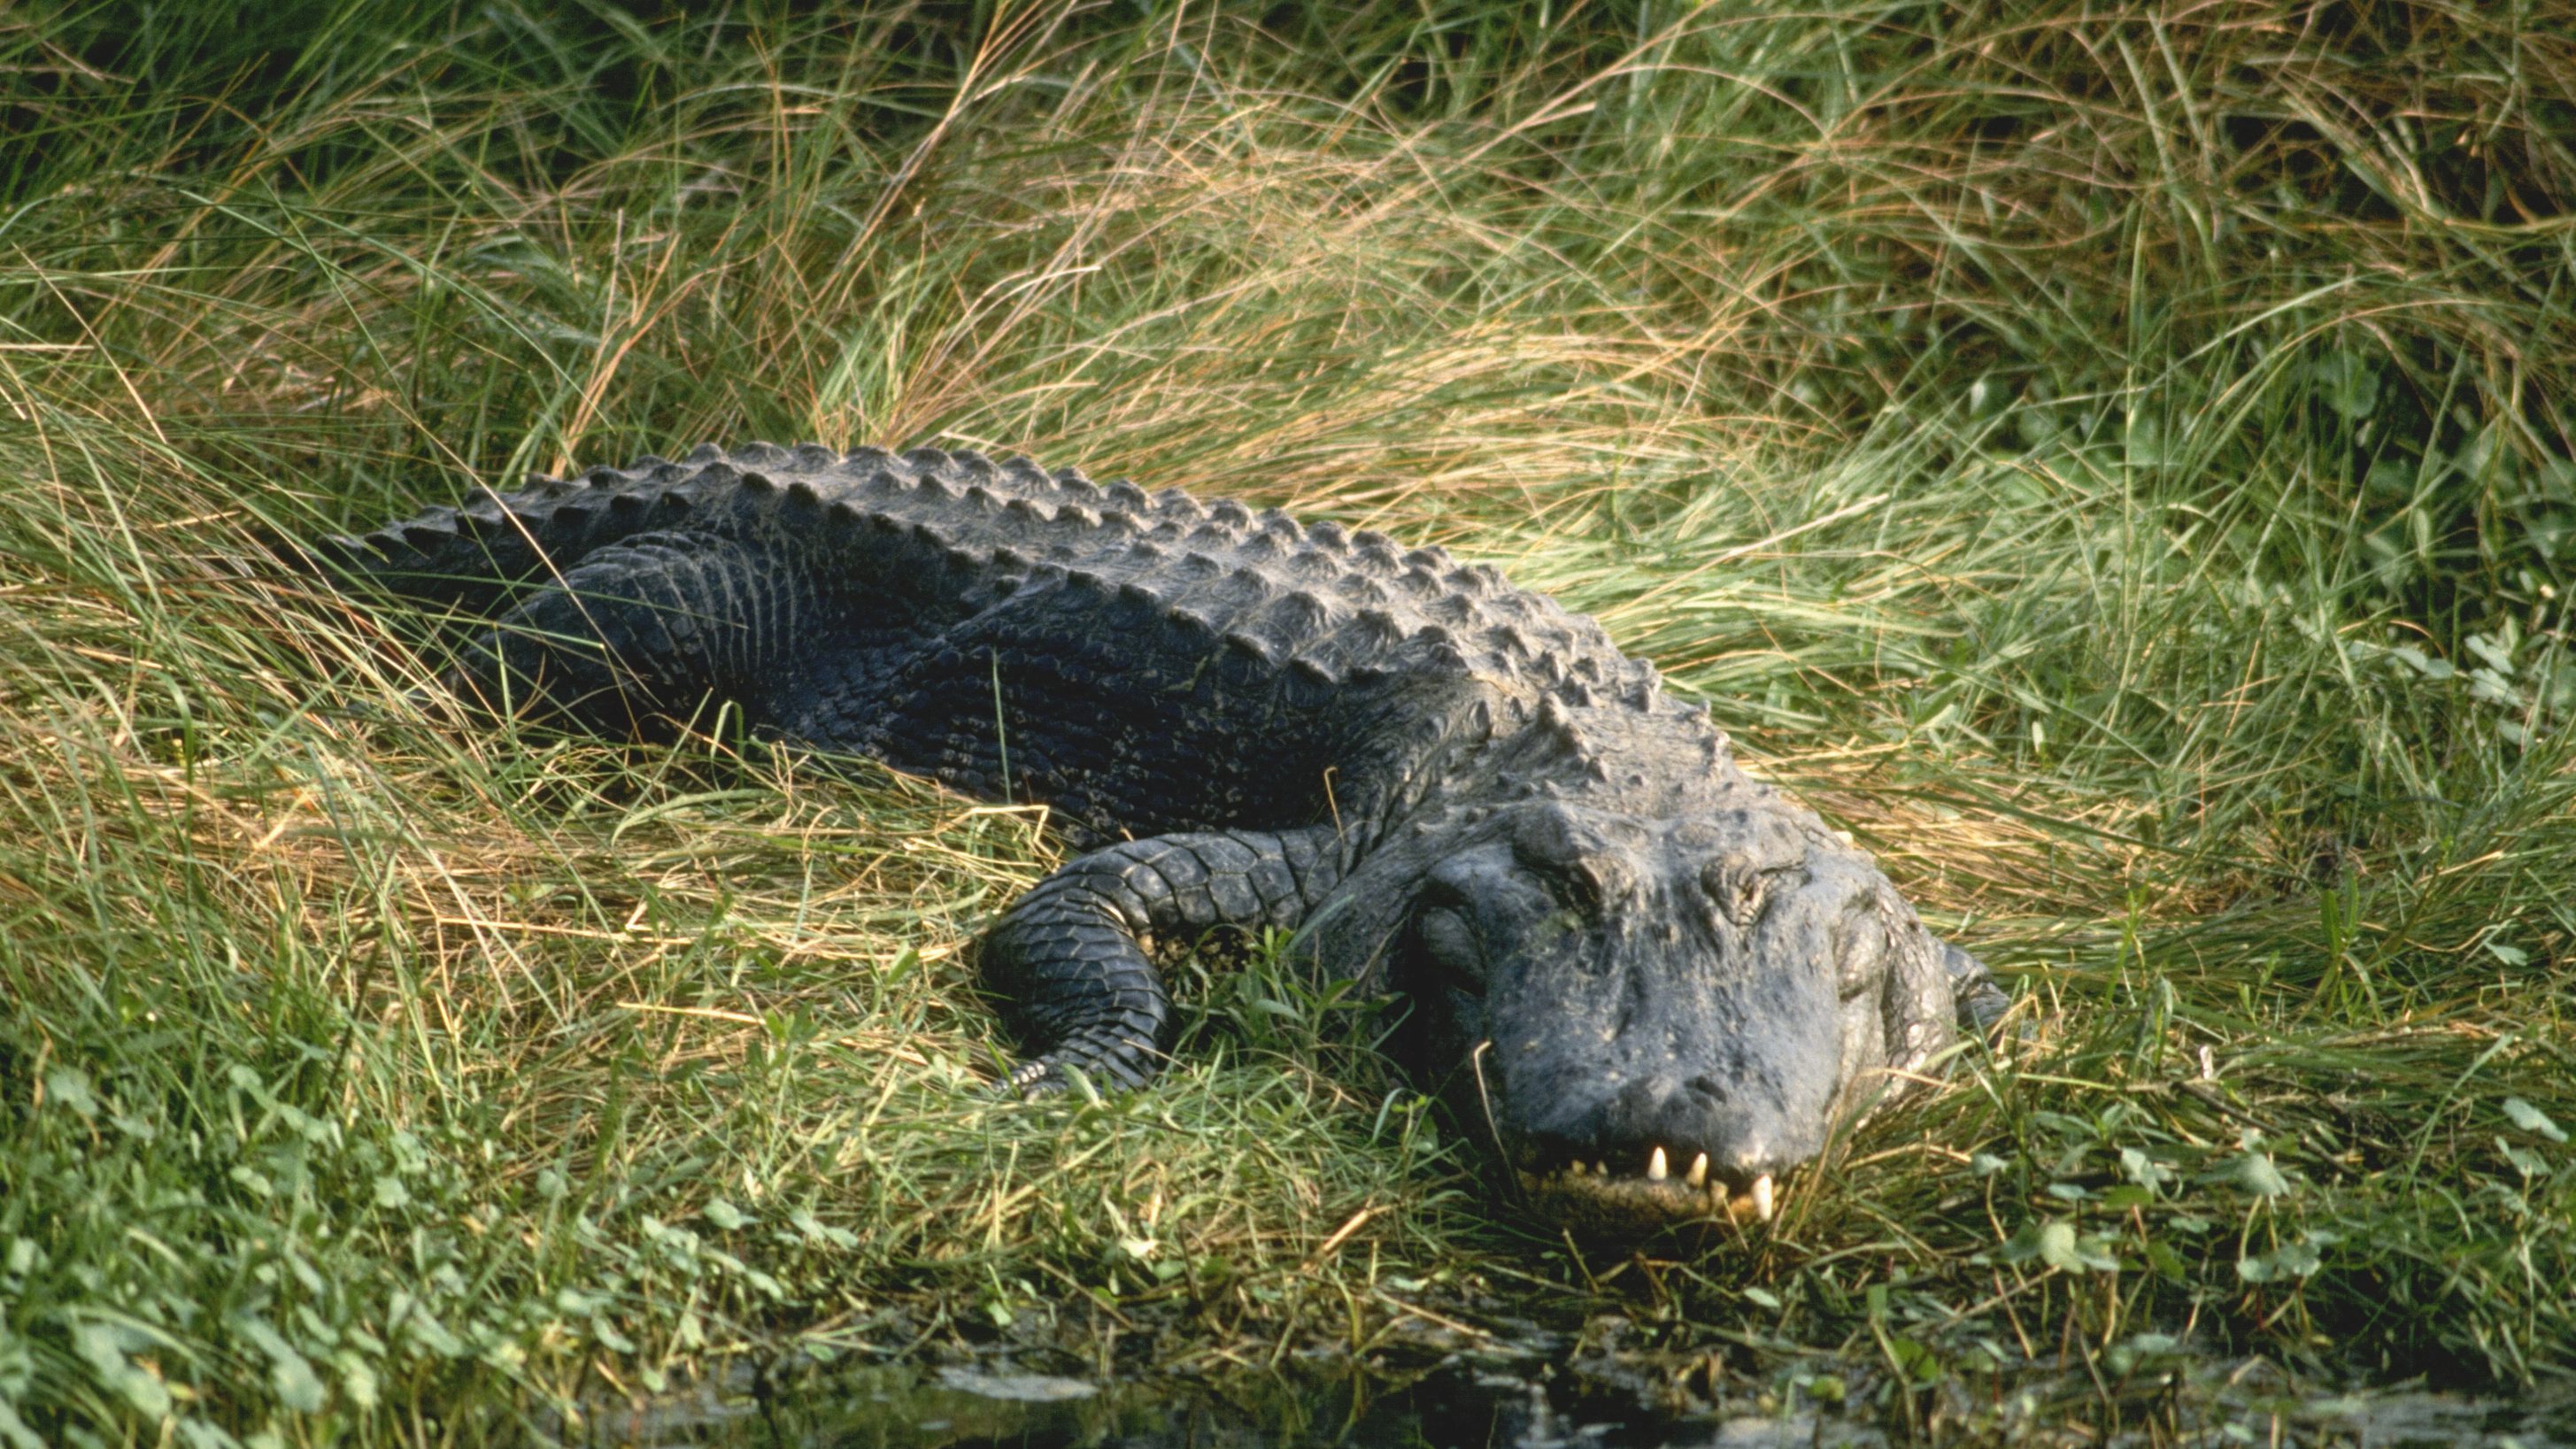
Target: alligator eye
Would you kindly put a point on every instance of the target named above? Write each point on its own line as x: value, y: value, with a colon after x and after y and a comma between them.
x: 1861, y: 950
x: 1738, y: 890
x: 1449, y: 944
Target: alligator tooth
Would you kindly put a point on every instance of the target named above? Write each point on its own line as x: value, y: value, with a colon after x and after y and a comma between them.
x: 1762, y: 1197
x: 1657, y: 1169
x: 1698, y: 1174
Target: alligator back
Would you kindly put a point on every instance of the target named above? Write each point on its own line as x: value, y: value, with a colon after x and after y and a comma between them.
x: 1145, y: 661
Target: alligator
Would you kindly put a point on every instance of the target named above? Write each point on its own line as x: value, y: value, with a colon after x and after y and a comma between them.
x: 1652, y: 983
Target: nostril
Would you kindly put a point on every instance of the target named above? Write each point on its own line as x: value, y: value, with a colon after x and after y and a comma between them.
x: 1709, y: 1090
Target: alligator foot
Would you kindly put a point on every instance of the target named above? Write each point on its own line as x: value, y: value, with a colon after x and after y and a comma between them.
x: 1120, y: 1065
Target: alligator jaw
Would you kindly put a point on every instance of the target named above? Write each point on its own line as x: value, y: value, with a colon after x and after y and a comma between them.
x: 1596, y: 1198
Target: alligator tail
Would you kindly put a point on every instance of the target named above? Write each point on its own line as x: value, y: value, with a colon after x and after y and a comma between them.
x: 474, y: 555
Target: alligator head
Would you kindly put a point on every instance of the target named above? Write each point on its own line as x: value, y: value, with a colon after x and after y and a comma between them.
x: 1654, y: 1017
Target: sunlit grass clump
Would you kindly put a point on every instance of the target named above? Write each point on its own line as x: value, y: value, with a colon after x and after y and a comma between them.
x: 2120, y: 468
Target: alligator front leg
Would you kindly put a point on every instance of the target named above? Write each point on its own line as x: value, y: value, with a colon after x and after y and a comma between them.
x: 1070, y: 963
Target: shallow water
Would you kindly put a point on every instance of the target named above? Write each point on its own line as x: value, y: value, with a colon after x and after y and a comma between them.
x: 1467, y: 1404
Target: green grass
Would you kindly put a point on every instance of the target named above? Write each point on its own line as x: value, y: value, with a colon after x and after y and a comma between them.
x: 2122, y: 467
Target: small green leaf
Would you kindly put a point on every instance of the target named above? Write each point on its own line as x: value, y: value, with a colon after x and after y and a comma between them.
x: 2422, y: 663
x: 2167, y: 1263
x: 2289, y: 1261
x: 2347, y: 383
x: 1765, y: 1297
x: 104, y: 1346
x: 2258, y: 1175
x: 604, y: 1332
x: 2531, y: 1119
x: 298, y: 1387
x: 70, y: 1087
x: 726, y: 1216
x: 290, y: 1373
x: 2145, y: 1171
x: 357, y: 1379
x: 2061, y: 1249
x: 816, y: 1230
x: 2497, y: 657
x: 432, y: 1335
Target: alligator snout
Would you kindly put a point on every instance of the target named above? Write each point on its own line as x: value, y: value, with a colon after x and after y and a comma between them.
x: 1695, y: 1122
x: 1597, y: 1200
x: 1660, y: 1148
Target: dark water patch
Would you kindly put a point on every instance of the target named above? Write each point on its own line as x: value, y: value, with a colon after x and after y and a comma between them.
x: 1501, y: 1402
x: 1458, y: 1403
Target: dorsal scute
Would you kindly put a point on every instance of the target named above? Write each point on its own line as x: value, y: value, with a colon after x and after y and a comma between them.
x: 424, y: 534
x: 1313, y: 563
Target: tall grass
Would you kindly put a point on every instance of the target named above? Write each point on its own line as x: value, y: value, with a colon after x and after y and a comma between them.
x: 2118, y: 464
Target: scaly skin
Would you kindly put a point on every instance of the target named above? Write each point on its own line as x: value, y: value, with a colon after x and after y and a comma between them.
x: 1617, y: 948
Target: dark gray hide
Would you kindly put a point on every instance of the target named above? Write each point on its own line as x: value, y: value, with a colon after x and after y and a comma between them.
x: 1655, y: 982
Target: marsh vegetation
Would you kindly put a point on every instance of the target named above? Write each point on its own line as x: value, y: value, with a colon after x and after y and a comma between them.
x: 2122, y: 466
